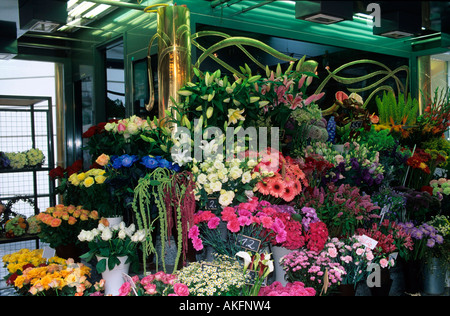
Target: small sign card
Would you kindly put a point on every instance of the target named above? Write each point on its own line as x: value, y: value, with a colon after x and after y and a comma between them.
x: 368, y: 242
x: 212, y: 204
x: 248, y: 243
x: 48, y: 253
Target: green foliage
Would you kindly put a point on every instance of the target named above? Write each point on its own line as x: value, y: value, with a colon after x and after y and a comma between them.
x: 402, y: 110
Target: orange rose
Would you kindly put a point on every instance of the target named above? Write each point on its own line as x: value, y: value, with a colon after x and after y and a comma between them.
x: 104, y: 221
x: 94, y: 215
x: 72, y: 220
x: 102, y: 160
x: 55, y: 222
x: 77, y: 213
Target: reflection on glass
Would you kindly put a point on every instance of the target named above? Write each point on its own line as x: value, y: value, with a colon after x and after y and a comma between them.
x: 115, y: 81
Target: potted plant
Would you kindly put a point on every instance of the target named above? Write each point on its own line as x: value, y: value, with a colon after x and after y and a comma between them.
x: 115, y: 248
x: 437, y: 256
x: 342, y: 208
x: 60, y: 226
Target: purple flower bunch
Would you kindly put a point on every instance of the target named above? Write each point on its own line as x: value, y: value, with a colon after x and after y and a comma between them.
x: 4, y: 161
x: 309, y: 217
x: 424, y: 232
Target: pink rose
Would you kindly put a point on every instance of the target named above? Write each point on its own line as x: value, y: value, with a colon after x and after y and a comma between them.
x: 181, y: 289
x: 384, y: 263
x: 125, y: 289
x: 121, y: 127
x: 150, y: 289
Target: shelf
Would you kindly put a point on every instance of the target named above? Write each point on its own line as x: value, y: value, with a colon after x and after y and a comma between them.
x: 26, y: 237
x: 24, y: 170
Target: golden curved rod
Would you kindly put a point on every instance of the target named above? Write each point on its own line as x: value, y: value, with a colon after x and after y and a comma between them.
x: 151, y: 101
x: 148, y: 9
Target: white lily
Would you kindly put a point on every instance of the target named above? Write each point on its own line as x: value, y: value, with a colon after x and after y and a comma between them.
x: 247, y: 259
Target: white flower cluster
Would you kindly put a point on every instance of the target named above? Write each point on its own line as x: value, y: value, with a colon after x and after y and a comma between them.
x: 107, y: 233
x: 223, y: 176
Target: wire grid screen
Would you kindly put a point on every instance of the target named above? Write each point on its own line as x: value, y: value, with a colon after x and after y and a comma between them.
x: 16, y: 136
x: 15, y: 131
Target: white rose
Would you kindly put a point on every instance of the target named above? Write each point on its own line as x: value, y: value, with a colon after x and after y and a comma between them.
x: 216, y: 186
x: 106, y: 234
x: 130, y: 230
x: 122, y: 234
x: 82, y: 235
x: 212, y: 177
x: 202, y: 178
x: 226, y: 198
x: 139, y: 236
x: 252, y: 163
x: 235, y: 173
x: 246, y: 177
x: 219, y: 165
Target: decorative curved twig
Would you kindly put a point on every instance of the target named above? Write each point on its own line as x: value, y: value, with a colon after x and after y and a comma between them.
x: 242, y: 41
x: 387, y: 72
x: 220, y: 34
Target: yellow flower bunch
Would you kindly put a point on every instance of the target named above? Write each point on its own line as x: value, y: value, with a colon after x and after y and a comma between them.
x: 69, y: 277
x: 88, y: 178
x: 14, y: 262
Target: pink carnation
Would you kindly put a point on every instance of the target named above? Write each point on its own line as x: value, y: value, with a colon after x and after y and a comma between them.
x: 213, y: 222
x: 233, y: 226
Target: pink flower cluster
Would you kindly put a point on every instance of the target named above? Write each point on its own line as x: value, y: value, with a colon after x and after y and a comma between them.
x: 309, y: 267
x: 157, y: 284
x: 291, y: 289
x: 253, y: 212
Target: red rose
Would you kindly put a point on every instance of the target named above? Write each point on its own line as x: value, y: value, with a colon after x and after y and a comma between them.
x: 57, y: 172
x: 75, y: 167
x: 90, y: 132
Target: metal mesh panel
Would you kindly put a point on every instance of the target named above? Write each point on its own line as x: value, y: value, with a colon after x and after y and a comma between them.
x: 23, y: 127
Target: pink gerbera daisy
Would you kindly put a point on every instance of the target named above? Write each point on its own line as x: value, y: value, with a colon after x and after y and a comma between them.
x: 276, y: 188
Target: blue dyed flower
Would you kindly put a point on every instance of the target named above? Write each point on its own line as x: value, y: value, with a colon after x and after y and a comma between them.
x: 175, y: 167
x: 164, y: 163
x: 128, y: 161
x: 116, y: 162
x: 149, y: 162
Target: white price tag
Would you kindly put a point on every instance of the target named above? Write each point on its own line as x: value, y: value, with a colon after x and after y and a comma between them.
x: 368, y: 242
x: 48, y: 253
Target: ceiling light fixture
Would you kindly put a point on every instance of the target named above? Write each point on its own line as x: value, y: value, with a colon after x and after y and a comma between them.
x: 324, y: 12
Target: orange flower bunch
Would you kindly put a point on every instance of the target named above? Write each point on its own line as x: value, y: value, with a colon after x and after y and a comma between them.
x: 54, y: 279
x: 284, y: 177
x: 60, y: 225
x: 54, y: 216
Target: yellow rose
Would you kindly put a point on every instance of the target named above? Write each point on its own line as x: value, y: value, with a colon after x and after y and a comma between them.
x: 81, y: 176
x: 88, y: 182
x: 100, y: 179
x: 74, y: 179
